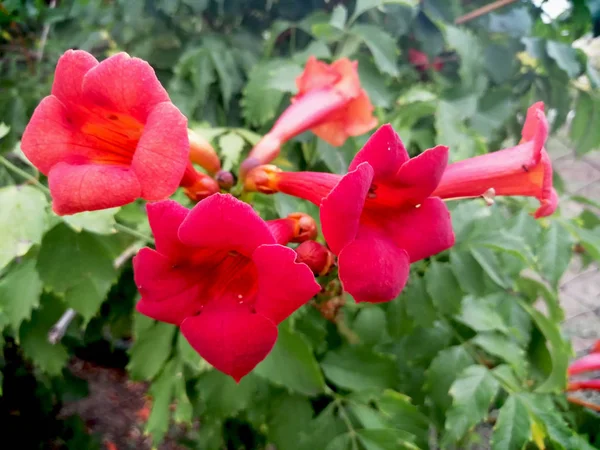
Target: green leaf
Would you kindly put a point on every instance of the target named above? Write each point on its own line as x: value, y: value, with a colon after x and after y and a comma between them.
x: 291, y: 364
x: 231, y: 145
x: 282, y: 431
x: 442, y: 372
x: 443, y: 287
x: 468, y: 272
x: 225, y: 66
x: 480, y: 315
x: 590, y: 241
x: 322, y: 430
x: 565, y: 57
x: 4, y: 129
x: 363, y: 6
x: 370, y: 325
x: 560, y: 351
x: 222, y: 396
x: 162, y: 390
x: 418, y: 303
x: 20, y: 292
x: 359, y: 368
x: 386, y: 439
x: 534, y: 289
x: 505, y: 348
x: 78, y: 266
x: 33, y: 337
x: 555, y: 252
x: 402, y: 414
x: 472, y: 393
x: 488, y: 260
x: 379, y: 92
x: 583, y: 133
x: 381, y: 45
x: 22, y: 221
x: 339, y: 16
x: 100, y: 222
x: 545, y: 415
x: 513, y: 427
x: 261, y: 101
x: 151, y: 348
x: 468, y: 47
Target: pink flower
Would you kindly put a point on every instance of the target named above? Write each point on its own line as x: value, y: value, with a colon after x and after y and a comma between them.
x: 218, y: 273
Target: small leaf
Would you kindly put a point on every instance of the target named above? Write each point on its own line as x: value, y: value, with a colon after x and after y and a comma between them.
x: 291, y: 364
x: 224, y: 397
x: 360, y: 368
x: 468, y: 272
x: 4, y: 129
x: 282, y: 431
x: 386, y: 439
x: 480, y: 315
x: 231, y: 145
x: 442, y: 372
x: 382, y: 46
x: 468, y: 47
x: 339, y: 16
x: 33, y: 337
x: 22, y: 221
x: 472, y: 393
x: 565, y: 57
x: 20, y: 292
x: 513, y: 427
x: 322, y: 430
x: 583, y: 133
x: 78, y: 266
x: 370, y: 325
x: 555, y: 252
x: 443, y: 287
x: 504, y: 348
x: 100, y: 222
x: 162, y: 391
x: 151, y: 349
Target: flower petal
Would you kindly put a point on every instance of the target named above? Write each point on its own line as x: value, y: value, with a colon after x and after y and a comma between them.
x: 230, y: 337
x: 169, y: 294
x: 48, y: 135
x: 359, y: 115
x: 124, y: 84
x: 384, y: 151
x: 316, y: 75
x: 342, y: 208
x: 372, y: 269
x: 68, y: 76
x: 162, y: 152
x: 89, y: 187
x: 422, y: 231
x: 420, y: 175
x: 283, y: 284
x: 222, y: 221
x: 165, y: 219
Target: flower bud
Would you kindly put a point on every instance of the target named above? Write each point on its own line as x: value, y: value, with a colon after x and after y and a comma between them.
x: 316, y: 256
x: 202, y: 153
x: 225, y: 179
x: 262, y: 179
x: 305, y: 227
x: 197, y: 185
x: 264, y: 152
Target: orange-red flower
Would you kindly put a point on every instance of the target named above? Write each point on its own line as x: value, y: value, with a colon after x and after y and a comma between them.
x: 107, y: 134
x: 203, y: 154
x: 219, y: 273
x: 422, y: 62
x: 330, y: 102
x: 197, y: 185
x: 522, y: 170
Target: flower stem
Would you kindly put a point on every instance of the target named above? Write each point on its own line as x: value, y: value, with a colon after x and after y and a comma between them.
x: 136, y: 234
x: 25, y: 175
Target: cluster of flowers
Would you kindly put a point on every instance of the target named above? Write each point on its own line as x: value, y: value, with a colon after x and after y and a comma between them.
x: 109, y: 134
x: 585, y: 364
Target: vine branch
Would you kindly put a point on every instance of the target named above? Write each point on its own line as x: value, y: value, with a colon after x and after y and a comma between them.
x: 483, y: 10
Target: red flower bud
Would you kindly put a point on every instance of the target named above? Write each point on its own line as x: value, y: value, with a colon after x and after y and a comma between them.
x: 225, y: 179
x: 198, y: 185
x: 202, y: 153
x: 316, y: 256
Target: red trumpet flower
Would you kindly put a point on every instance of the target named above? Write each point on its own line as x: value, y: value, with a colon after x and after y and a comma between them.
x: 197, y: 185
x: 379, y: 217
x: 218, y: 273
x: 522, y: 170
x: 587, y: 363
x: 422, y: 62
x: 107, y: 134
x: 330, y: 102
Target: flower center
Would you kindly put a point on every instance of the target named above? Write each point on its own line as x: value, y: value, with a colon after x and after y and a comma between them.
x: 112, y: 137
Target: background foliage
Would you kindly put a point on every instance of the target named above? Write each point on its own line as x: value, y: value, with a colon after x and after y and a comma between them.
x: 461, y: 357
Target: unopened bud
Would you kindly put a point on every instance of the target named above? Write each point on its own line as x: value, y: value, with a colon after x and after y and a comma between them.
x: 316, y: 256
x: 202, y: 153
x: 305, y: 227
x: 225, y: 179
x: 264, y: 152
x: 201, y: 187
x: 262, y: 179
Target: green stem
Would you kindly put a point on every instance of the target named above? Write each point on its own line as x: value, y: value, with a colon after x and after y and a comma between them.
x: 25, y: 175
x: 347, y: 421
x: 136, y: 234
